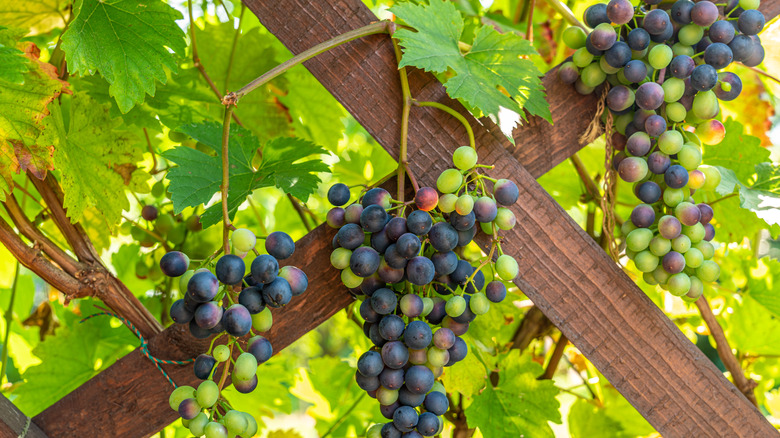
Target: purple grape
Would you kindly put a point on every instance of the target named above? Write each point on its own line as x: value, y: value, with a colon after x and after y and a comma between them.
x: 265, y: 268
x: 364, y: 261
x: 189, y: 409
x: 643, y: 216
x: 673, y: 262
x: 280, y: 245
x: 682, y: 66
x: 444, y: 263
x: 676, y: 176
x: 395, y: 354
x: 335, y: 217
x: 368, y: 286
x: 756, y: 56
x: 704, y: 13
x: 635, y: 71
x: 505, y: 192
x: 709, y: 232
x: 245, y: 386
x: 669, y: 227
x: 237, y: 320
x: 718, y: 55
x: 395, y: 228
x: 706, y: 213
x: 352, y: 214
x: 485, y: 209
x: 203, y: 287
x: 338, y: 194
x: 368, y: 313
x: 377, y: 196
x: 568, y: 73
x: 687, y: 213
x: 655, y: 125
x: 438, y: 312
x: 174, y: 264
x: 620, y: 11
x: 632, y: 169
x: 733, y: 80
x: 417, y: 335
x: 722, y: 31
x: 648, y: 192
x: 277, y: 293
x: 391, y: 379
x: 260, y: 348
x: 650, y: 96
x: 638, y: 144
x: 620, y: 97
x: 443, y: 237
x: 655, y: 22
x: 179, y: 312
x: 391, y: 327
x: 495, y: 291
x: 420, y: 271
x: 208, y: 315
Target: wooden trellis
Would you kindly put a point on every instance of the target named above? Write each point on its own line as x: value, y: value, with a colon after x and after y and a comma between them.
x: 577, y: 286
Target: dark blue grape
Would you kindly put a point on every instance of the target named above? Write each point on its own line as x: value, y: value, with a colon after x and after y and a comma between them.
x: 591, y: 49
x: 648, y: 192
x: 377, y: 196
x: 375, y: 337
x: 506, y: 192
x: 203, y: 287
x: 364, y: 261
x: 618, y: 55
x: 405, y: 418
x: 458, y: 351
x: 230, y: 269
x: 383, y: 301
x: 665, y: 35
x: 418, y: 335
x: 367, y: 311
x: 462, y: 272
x: 367, y: 383
x: 394, y: 259
x: 495, y: 291
x: 197, y: 331
x: 174, y: 264
x: 709, y: 232
x: 638, y: 39
x: 395, y: 354
x: 682, y: 66
x: 388, y: 430
x: 462, y: 222
x: 408, y: 245
x: 436, y: 403
x: 208, y: 315
x: 466, y: 236
x: 380, y: 241
x: 391, y: 327
x: 443, y: 237
x: 277, y: 293
x: 756, y: 55
x: 681, y: 11
x: 420, y: 271
x: 190, y: 304
x: 731, y: 79
x: 252, y: 299
x: 640, y: 117
x: 428, y: 424
x: 718, y: 55
x: 438, y: 312
x: 476, y: 284
x: 704, y: 77
x: 676, y: 176
x: 350, y: 236
x: 408, y: 398
x: 265, y: 268
x: 237, y: 320
x: 189, y: 409
x: 203, y: 366
x: 751, y: 22
x: 722, y: 31
x: 419, y: 222
x: 446, y: 285
x: 180, y: 314
x: 391, y: 378
x: 655, y: 22
x: 643, y: 216
x: 596, y: 14
x: 444, y: 262
x: 260, y: 348
x: 373, y: 218
x: 703, y: 44
x: 245, y: 386
x: 419, y: 379
x: 396, y: 228
x: 280, y: 245
x: 371, y: 285
x: 741, y: 47
x: 338, y: 194
x: 390, y: 275
x: 370, y: 364
x: 635, y: 71
x: 412, y: 306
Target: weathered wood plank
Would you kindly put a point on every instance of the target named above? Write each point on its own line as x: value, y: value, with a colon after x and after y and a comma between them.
x: 13, y: 422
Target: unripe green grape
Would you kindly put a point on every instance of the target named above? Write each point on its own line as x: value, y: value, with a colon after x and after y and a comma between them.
x: 235, y: 421
x: 682, y: 49
x: 455, y: 306
x: 681, y: 243
x: 386, y: 396
x: 449, y: 181
x: 464, y: 204
x: 660, y: 56
x: 627, y: 227
x: 221, y: 353
x: 622, y: 121
x: 582, y: 58
x: 705, y: 105
x: 198, y: 424
x: 645, y: 261
x: 660, y: 275
x: 447, y: 203
x: 339, y: 258
x: 243, y: 240
x: 706, y: 248
x: 606, y: 68
x: 506, y: 267
x: 712, y: 177
x: 630, y: 253
x: 375, y: 431
x: 164, y: 223
x: 479, y: 304
x: 749, y: 4
x: 215, y: 430
x: 675, y: 112
x: 592, y: 75
x: 693, y: 258
x: 438, y: 357
x: 679, y: 284
x: 349, y: 278
x: 694, y: 232
x: 660, y: 246
x: 673, y: 89
x: 672, y: 197
x: 574, y: 37
x: 263, y: 321
x: 245, y: 367
x: 689, y: 156
x: 690, y: 34
x: 709, y: 271
x: 696, y: 290
x: 641, y: 54
x: 464, y: 157
x: 649, y: 279
x: 639, y: 239
x: 177, y: 235
x: 427, y: 306
x: 487, y: 227
x: 505, y: 219
x: 251, y: 426
x: 179, y: 395
x: 207, y: 393
x: 670, y: 142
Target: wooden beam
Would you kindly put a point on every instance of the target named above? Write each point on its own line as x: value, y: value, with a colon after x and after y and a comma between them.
x: 13, y: 422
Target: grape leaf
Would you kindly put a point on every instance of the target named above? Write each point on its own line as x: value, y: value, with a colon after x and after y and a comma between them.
x: 738, y: 151
x: 128, y: 42
x: 749, y: 318
x: 588, y: 420
x: 40, y: 16
x: 762, y: 197
x: 519, y: 405
x: 13, y: 65
x: 467, y: 377
x: 199, y: 176
x: 763, y: 284
x: 494, y: 64
x: 96, y: 159
x: 22, y: 109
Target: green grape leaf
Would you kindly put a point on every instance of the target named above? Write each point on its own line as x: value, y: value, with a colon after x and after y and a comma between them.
x: 495, y: 63
x: 763, y: 284
x: 519, y: 405
x: 762, y: 197
x: 22, y: 110
x: 738, y: 151
x: 588, y: 420
x: 71, y: 357
x: 40, y: 16
x: 128, y: 42
x: 13, y: 65
x: 198, y: 176
x: 96, y: 159
x: 749, y: 318
x: 467, y: 377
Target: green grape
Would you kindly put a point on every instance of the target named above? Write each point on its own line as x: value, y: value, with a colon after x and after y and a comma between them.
x: 447, y: 203
x: 449, y: 181
x: 682, y: 49
x: 427, y: 306
x: 627, y: 227
x: 649, y: 279
x: 696, y: 290
x: 694, y: 232
x: 455, y: 306
x: 670, y: 142
x: 177, y: 235
x: 711, y: 177
x: 639, y: 239
x: 672, y: 197
x: 660, y: 275
x: 582, y: 58
x: 705, y: 105
x: 676, y: 112
x: 215, y: 430
x: 486, y: 227
x: 693, y: 258
x: 645, y: 261
x: 251, y: 426
x: 179, y: 395
x: 673, y: 89
x: 640, y: 54
x: 464, y: 157
x: 262, y: 321
x: 690, y: 34
x: 235, y: 421
x: 681, y: 243
x: 375, y: 431
x: 709, y: 271
x: 660, y: 56
x: 660, y: 246
x: 506, y: 267
x: 164, y: 223
x: 349, y: 279
x: 505, y: 219
x: 243, y: 240
x: 592, y: 75
x: 438, y: 387
x: 749, y: 4
x: 679, y: 284
x: 245, y: 367
x: 158, y: 189
x: 479, y: 304
x: 184, y: 279
x: 438, y: 357
x: 606, y: 68
x: 198, y: 424
x: 177, y: 137
x: 386, y: 396
x: 689, y: 156
x: 706, y: 248
x: 622, y: 121
x: 207, y: 393
x: 574, y: 37
x: 339, y: 258
x: 464, y: 205
x: 221, y: 353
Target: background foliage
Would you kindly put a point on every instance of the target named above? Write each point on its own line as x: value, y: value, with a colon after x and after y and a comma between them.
x: 105, y: 131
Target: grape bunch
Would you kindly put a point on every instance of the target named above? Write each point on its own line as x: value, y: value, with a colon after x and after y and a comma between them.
x: 418, y: 295
x: 249, y: 299
x: 665, y: 72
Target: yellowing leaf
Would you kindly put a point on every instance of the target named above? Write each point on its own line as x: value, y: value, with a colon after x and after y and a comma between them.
x: 40, y: 16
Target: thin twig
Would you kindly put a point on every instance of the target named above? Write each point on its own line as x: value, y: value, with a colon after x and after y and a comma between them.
x: 453, y: 113
x: 730, y: 195
x: 151, y: 233
x: 344, y: 416
x: 557, y: 354
x: 300, y: 212
x: 406, y: 101
x: 763, y: 73
x: 529, y: 29
x: 567, y: 14
x: 225, y: 178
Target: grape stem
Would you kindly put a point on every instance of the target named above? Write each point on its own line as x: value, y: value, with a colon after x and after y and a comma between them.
x: 453, y: 113
x: 9, y: 313
x: 403, y: 161
x: 225, y: 370
x: 566, y: 13
x: 151, y: 233
x: 226, y: 179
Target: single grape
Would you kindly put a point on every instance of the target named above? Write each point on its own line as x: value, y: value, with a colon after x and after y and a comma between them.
x: 180, y: 394
x: 709, y: 271
x: 617, y: 56
x: 718, y: 55
x: 278, y: 292
x: 679, y: 284
x: 280, y: 245
x: 411, y: 305
x: 367, y: 383
x: 582, y: 58
x: 681, y: 11
x: 449, y: 181
x: 655, y: 125
x: 729, y: 86
x: 751, y: 22
x: 208, y: 315
x: 711, y: 132
x: 296, y: 278
x: 676, y: 176
x: 706, y: 213
x: 620, y: 98
x: 632, y: 169
x: 221, y: 353
x: 507, y: 267
x: 722, y: 31
x: 458, y: 351
x: 465, y: 157
x: 377, y: 196
x: 262, y: 321
x: 198, y: 424
x: 650, y: 95
x: 704, y: 13
x: 704, y: 77
x: 660, y: 56
x: 245, y: 367
x: 405, y: 417
x: 189, y: 409
x: 207, y: 393
x: 391, y: 327
x: 639, y: 239
x: 395, y: 354
x: 646, y: 261
x: 373, y: 218
x: 260, y: 348
x: 364, y: 261
x: 179, y: 312
x: 237, y: 319
x: 428, y: 424
x: 418, y: 379
x: 202, y: 287
x: 592, y: 75
x: 658, y: 162
x: 243, y: 240
x: 643, y: 216
x: 603, y: 36
x: 660, y: 246
x: 638, y: 39
x: 420, y: 271
x: 352, y: 214
x: 505, y: 192
x: 689, y: 156
x: 681, y: 243
x: 203, y: 366
x: 426, y: 199
x: 338, y: 194
x: 596, y: 14
x: 230, y: 269
x: 436, y: 403
x: 235, y: 421
x: 418, y: 335
x: 656, y: 22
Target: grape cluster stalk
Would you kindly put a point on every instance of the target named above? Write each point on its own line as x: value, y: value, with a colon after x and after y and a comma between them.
x: 203, y: 409
x: 418, y: 295
x: 665, y: 70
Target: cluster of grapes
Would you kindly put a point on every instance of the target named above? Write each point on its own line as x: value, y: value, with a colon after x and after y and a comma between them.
x: 266, y: 286
x: 407, y: 273
x: 664, y: 70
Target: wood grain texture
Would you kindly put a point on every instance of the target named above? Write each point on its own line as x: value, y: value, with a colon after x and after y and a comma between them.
x: 13, y: 422
x: 562, y: 270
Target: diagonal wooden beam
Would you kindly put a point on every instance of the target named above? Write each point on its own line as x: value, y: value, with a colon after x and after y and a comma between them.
x: 603, y: 323
x: 13, y: 423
